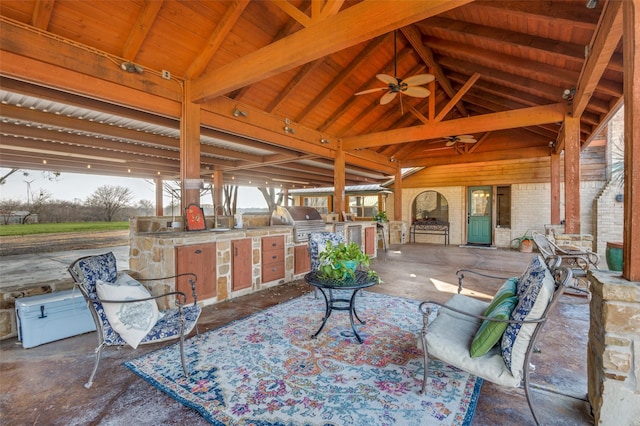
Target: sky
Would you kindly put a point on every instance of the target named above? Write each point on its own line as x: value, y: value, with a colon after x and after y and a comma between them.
x: 74, y: 186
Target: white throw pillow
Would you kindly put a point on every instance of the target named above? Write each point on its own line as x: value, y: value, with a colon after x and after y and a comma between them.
x: 132, y: 321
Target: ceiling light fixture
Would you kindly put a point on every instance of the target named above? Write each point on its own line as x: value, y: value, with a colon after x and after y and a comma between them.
x: 568, y: 94
x: 239, y: 113
x: 591, y: 4
x: 324, y: 141
x: 290, y: 181
x: 131, y: 67
x: 286, y: 127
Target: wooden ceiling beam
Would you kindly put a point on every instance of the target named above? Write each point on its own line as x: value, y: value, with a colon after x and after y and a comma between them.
x: 215, y: 39
x: 42, y: 14
x: 520, y: 42
x: 510, y: 154
x: 336, y: 33
x: 513, y: 65
x: 144, y: 22
x: 606, y: 40
x: 496, y: 121
x: 457, y: 97
x: 415, y: 39
x: 341, y: 78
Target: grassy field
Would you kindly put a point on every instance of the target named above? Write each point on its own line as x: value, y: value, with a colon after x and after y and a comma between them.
x: 51, y: 228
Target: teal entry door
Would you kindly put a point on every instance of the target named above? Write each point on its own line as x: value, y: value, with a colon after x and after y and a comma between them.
x: 479, y: 215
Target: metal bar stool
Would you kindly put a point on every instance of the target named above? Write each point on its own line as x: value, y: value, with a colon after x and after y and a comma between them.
x: 380, y: 228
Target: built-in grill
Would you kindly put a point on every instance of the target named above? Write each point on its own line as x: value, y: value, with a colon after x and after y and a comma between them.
x: 304, y: 220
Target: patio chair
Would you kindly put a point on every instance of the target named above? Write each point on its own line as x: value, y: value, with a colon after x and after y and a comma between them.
x: 126, y: 313
x: 579, y: 261
x: 495, y: 340
x: 317, y: 243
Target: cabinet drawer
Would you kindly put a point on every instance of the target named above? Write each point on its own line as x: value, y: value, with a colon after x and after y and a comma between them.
x: 272, y: 272
x: 273, y: 243
x: 273, y: 256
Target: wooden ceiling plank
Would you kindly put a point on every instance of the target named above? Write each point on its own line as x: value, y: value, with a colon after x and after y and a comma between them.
x: 298, y: 79
x: 496, y: 121
x: 141, y: 28
x: 415, y: 38
x: 336, y: 33
x: 341, y: 78
x: 215, y: 39
x: 510, y: 154
x: 520, y: 41
x: 457, y: 97
x: 42, y: 14
x: 606, y: 39
x: 533, y: 70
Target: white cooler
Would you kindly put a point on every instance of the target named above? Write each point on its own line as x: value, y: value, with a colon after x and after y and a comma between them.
x: 53, y: 316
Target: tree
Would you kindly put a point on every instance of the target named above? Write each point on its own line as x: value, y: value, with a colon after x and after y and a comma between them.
x: 38, y: 204
x: 110, y: 200
x: 269, y: 195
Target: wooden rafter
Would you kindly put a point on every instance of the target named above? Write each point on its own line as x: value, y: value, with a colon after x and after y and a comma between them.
x: 141, y: 28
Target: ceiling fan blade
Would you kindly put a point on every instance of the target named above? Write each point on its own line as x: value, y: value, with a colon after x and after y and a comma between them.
x: 385, y: 78
x: 417, y: 91
x: 450, y: 143
x: 464, y: 140
x: 419, y: 79
x: 377, y: 89
x: 387, y: 97
x: 465, y: 137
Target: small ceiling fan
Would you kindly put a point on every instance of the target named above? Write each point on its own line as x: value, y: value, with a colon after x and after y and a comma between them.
x: 409, y: 86
x: 452, y: 140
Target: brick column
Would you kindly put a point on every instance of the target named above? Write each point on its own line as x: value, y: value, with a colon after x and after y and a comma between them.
x: 613, y: 352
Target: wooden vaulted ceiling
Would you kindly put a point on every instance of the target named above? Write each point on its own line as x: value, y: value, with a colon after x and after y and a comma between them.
x: 500, y: 67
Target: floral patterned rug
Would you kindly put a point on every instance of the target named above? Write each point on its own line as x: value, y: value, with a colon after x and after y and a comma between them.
x: 266, y: 370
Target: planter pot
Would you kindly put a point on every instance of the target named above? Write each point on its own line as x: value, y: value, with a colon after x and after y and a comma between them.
x: 614, y: 256
x: 526, y: 246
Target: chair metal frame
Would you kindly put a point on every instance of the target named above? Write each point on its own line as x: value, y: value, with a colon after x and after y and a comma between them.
x: 562, y: 275
x: 103, y: 328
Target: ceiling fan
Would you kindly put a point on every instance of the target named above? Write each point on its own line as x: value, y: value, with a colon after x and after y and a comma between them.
x: 452, y: 140
x: 409, y: 86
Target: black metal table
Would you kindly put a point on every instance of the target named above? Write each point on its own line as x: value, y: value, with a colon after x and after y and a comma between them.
x: 361, y: 280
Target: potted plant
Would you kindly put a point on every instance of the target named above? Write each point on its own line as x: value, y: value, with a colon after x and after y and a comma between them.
x: 340, y: 262
x: 524, y: 243
x: 381, y: 216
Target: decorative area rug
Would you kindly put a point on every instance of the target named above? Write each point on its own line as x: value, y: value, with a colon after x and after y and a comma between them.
x: 266, y: 370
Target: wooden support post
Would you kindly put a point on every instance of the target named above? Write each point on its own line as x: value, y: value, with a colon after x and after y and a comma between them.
x: 397, y: 195
x: 189, y: 148
x: 159, y: 197
x: 572, y: 175
x: 631, y: 233
x: 555, y: 189
x: 339, y: 181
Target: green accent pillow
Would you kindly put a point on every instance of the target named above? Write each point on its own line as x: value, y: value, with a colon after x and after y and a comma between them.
x: 508, y: 289
x: 490, y: 332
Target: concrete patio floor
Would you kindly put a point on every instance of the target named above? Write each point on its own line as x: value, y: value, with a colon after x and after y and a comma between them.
x: 44, y: 385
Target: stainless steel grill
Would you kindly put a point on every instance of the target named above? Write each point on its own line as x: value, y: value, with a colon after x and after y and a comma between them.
x: 304, y: 220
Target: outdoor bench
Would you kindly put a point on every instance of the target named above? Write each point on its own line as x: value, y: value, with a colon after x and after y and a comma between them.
x: 430, y: 227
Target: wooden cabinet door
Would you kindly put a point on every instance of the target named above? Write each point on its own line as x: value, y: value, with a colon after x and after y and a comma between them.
x: 302, y: 260
x: 201, y: 260
x: 241, y: 264
x: 370, y: 240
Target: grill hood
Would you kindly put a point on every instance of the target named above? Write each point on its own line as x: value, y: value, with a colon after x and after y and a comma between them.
x: 303, y: 219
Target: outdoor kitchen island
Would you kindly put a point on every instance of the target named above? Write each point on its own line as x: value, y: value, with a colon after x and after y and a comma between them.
x: 229, y: 262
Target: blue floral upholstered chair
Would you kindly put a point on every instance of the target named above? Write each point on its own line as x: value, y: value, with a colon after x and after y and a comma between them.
x: 126, y: 313
x: 317, y: 243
